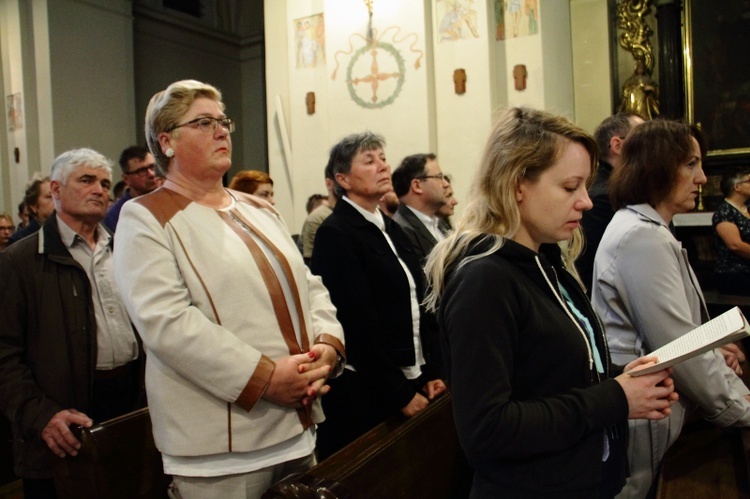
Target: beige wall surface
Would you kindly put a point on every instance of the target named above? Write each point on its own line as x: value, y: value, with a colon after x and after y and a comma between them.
x: 72, y: 63
x: 86, y: 69
x: 428, y: 115
x: 591, y: 62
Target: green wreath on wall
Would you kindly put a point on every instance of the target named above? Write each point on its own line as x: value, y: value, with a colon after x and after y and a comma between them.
x: 374, y: 48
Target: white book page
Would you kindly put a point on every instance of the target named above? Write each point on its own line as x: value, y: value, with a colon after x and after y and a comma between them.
x: 719, y: 331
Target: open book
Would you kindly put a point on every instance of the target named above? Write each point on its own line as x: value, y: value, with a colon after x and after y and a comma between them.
x: 726, y: 328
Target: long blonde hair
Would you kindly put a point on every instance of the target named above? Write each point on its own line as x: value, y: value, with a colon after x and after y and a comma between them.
x: 522, y: 145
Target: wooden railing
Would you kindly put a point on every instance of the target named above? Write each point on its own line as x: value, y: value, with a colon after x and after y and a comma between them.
x: 401, y: 458
x: 118, y: 459
x: 707, y: 462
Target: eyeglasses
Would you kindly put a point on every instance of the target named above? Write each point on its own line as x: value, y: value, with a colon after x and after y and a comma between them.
x: 439, y: 176
x: 143, y: 171
x: 208, y: 124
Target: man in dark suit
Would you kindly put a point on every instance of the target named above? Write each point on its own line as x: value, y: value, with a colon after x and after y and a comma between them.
x: 375, y: 281
x: 420, y: 186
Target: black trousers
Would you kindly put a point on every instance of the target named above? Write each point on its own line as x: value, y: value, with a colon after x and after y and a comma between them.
x: 117, y: 392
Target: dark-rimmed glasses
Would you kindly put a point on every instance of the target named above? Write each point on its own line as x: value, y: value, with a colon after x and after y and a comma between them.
x: 207, y: 124
x: 439, y: 176
x: 143, y: 171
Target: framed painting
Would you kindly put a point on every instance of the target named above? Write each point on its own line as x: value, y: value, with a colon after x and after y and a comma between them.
x: 717, y: 73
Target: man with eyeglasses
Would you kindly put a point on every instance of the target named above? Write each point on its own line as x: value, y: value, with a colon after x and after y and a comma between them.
x: 139, y: 174
x: 420, y: 187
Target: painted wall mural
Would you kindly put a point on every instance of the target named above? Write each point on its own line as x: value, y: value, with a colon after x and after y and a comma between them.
x: 515, y: 18
x: 458, y: 20
x: 376, y: 69
x: 310, y: 41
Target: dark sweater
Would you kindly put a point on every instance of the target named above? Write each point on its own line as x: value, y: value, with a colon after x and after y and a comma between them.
x: 595, y: 222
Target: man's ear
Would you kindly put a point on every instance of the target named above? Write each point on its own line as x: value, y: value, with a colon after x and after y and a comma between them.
x: 416, y: 186
x: 54, y: 187
x: 615, y: 145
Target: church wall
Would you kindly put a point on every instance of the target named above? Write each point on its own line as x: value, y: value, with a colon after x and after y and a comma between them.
x: 71, y: 63
x: 557, y: 58
x: 72, y: 59
x: 591, y: 62
x: 12, y: 174
x: 85, y: 70
x: 168, y: 51
x: 463, y: 120
x: 91, y: 75
x: 339, y: 70
x: 428, y: 114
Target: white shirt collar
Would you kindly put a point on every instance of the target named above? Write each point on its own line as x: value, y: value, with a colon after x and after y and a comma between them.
x: 427, y: 220
x: 376, y: 218
x: 431, y: 223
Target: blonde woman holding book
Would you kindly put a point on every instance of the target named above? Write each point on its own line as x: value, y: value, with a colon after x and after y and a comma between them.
x: 539, y: 408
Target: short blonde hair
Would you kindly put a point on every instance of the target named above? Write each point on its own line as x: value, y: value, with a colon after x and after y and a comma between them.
x: 522, y: 145
x: 167, y: 107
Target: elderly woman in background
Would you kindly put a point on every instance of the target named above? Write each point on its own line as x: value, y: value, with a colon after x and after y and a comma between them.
x: 239, y: 336
x: 38, y: 200
x: 731, y: 222
x: 647, y: 294
x: 537, y: 409
x: 254, y: 182
x: 376, y: 283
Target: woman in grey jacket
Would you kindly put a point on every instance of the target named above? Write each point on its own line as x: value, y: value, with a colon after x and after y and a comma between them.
x: 646, y: 293
x: 536, y: 410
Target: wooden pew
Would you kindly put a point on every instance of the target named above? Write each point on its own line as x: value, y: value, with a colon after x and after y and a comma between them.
x: 718, y: 303
x: 118, y: 459
x: 400, y: 458
x: 707, y: 462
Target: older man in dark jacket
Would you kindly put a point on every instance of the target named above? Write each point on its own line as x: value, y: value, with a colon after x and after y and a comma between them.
x: 68, y: 354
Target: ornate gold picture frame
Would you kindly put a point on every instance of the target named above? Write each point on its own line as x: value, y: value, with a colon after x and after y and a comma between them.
x: 717, y: 73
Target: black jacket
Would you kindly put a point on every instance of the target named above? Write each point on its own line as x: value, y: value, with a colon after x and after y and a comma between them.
x: 371, y: 294
x: 420, y: 238
x: 594, y: 223
x: 47, y: 342
x: 531, y: 410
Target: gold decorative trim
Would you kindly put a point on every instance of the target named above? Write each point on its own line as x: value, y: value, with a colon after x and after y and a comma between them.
x: 687, y: 61
x: 636, y: 34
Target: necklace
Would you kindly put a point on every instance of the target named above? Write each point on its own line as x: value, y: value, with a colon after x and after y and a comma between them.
x: 741, y: 208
